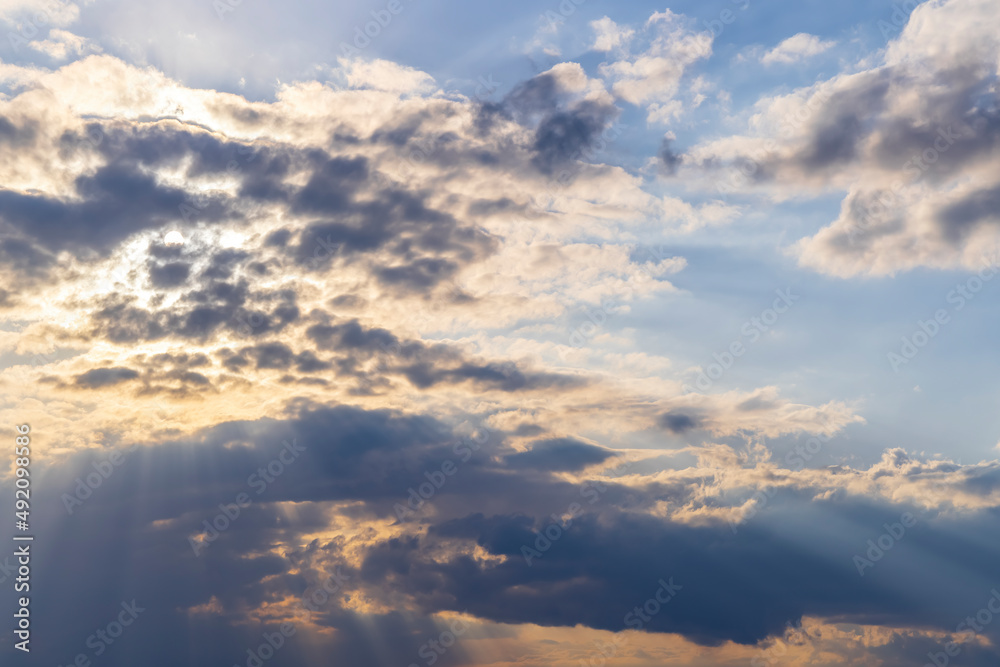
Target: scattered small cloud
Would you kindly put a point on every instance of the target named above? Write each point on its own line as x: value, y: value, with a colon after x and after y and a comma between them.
x: 796, y: 48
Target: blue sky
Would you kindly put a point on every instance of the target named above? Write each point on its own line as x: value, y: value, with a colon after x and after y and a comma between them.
x: 698, y: 238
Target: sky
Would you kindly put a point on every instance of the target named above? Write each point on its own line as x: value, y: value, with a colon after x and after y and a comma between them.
x: 411, y: 333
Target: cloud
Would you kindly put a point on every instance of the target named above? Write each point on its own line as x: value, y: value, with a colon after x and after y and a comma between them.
x: 103, y: 377
x: 567, y: 111
x: 678, y: 422
x: 386, y: 280
x: 312, y: 240
x: 356, y: 466
x: 652, y: 77
x: 796, y: 48
x: 40, y: 12
x: 560, y: 454
x: 913, y: 143
x: 172, y: 274
x: 608, y: 35
x: 385, y: 75
x: 669, y: 159
x: 63, y: 45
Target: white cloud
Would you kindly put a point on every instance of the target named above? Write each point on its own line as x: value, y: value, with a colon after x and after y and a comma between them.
x: 386, y: 76
x: 652, y: 77
x: 797, y: 47
x: 913, y: 141
x: 62, y: 45
x: 35, y: 15
x: 609, y: 35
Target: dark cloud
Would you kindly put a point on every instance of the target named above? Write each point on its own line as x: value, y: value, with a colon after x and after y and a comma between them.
x: 352, y: 335
x: 173, y: 274
x: 507, y: 377
x: 180, y: 359
x: 535, y: 97
x: 558, y: 455
x: 278, y: 238
x: 741, y: 586
x: 261, y: 169
x: 399, y: 222
x: 330, y: 187
x: 105, y: 377
x: 223, y: 264
x: 18, y: 136
x: 679, y: 422
x: 123, y: 196
x: 419, y: 275
x: 564, y: 136
x: 844, y: 122
x: 669, y: 160
x: 115, y: 202
x: 308, y: 362
x: 199, y: 314
x: 24, y: 258
x: 959, y: 219
x: 427, y: 365
x: 272, y: 355
x: 565, y: 129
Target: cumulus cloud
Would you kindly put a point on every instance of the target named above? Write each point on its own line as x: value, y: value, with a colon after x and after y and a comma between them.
x: 62, y: 45
x: 609, y: 35
x: 912, y: 141
x: 651, y: 76
x: 796, y: 48
x: 341, y: 505
x: 405, y: 211
x: 381, y: 277
x: 39, y: 13
x: 385, y: 75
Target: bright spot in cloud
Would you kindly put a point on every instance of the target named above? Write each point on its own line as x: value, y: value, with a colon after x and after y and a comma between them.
x: 174, y: 238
